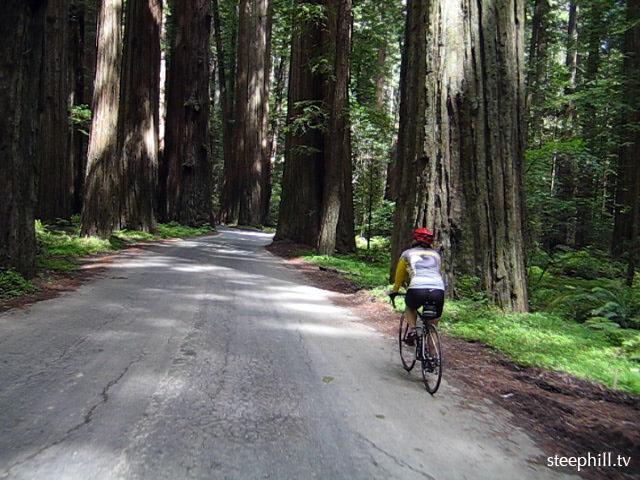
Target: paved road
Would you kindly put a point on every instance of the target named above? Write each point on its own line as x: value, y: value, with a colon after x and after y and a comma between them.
x: 210, y: 359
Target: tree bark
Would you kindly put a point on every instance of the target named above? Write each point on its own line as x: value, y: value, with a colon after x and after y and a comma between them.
x: 252, y: 114
x: 566, y: 164
x: 77, y: 133
x: 186, y: 153
x: 101, y: 210
x: 281, y: 73
x: 475, y: 144
x: 235, y: 169
x: 55, y: 173
x: 226, y: 105
x: 586, y: 189
x: 626, y: 238
x: 411, y: 132
x: 337, y: 151
x: 301, y: 200
x: 537, y: 68
x: 90, y: 53
x: 317, y: 202
x: 139, y: 114
x: 22, y: 27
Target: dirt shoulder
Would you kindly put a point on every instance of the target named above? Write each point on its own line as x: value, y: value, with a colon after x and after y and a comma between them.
x: 569, y: 417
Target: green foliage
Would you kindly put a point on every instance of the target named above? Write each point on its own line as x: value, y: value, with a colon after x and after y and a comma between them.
x: 575, y: 130
x: 546, y: 340
x: 584, y: 300
x: 619, y: 304
x: 80, y: 117
x: 309, y: 13
x: 12, y: 284
x: 312, y: 116
x: 367, y: 268
x: 587, y: 263
x: 176, y: 230
x: 60, y: 245
x: 470, y: 288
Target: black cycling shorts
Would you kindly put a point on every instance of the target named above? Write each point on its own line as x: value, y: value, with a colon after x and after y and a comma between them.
x: 416, y: 297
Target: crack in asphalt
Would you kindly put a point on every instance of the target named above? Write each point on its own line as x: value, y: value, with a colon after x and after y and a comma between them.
x: 88, y: 417
x: 395, y: 459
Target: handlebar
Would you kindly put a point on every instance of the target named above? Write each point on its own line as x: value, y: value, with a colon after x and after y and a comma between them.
x: 393, y: 298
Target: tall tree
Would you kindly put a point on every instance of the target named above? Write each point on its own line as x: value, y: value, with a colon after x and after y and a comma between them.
x: 410, y: 147
x: 589, y: 120
x: 474, y: 146
x: 100, y: 213
x: 315, y: 194
x: 79, y: 127
x: 235, y: 165
x: 138, y: 117
x: 226, y: 95
x: 566, y: 164
x: 55, y: 173
x: 627, y: 215
x: 186, y: 153
x: 301, y: 199
x: 252, y: 110
x: 537, y: 67
x: 22, y: 27
x: 337, y: 139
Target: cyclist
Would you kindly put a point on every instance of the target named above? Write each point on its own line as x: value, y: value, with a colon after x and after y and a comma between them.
x: 421, y: 264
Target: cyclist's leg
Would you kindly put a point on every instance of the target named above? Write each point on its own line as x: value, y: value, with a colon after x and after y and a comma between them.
x: 413, y: 300
x: 411, y: 315
x: 437, y: 297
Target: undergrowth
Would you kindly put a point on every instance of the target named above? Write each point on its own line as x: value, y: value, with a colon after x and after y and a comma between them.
x: 547, y: 340
x: 60, y: 244
x: 12, y: 284
x: 366, y: 269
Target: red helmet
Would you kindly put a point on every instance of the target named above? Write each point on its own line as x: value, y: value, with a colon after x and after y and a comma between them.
x: 423, y: 235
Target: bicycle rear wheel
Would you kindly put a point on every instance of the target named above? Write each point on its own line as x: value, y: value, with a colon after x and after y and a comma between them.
x: 432, y: 359
x: 407, y: 352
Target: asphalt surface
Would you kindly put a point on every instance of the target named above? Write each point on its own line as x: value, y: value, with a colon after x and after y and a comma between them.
x: 209, y: 358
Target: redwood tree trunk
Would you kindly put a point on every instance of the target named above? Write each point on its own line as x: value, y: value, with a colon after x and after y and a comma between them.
x: 77, y: 133
x: 226, y: 105
x: 538, y: 58
x: 55, y: 173
x: 189, y: 170
x: 252, y: 109
x: 475, y: 144
x: 22, y: 28
x: 138, y: 117
x: 626, y: 239
x: 301, y: 200
x: 337, y: 151
x: 566, y: 164
x: 317, y: 204
x: 100, y: 214
x: 410, y: 149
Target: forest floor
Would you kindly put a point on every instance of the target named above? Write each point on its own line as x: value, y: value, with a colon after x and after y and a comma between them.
x: 569, y: 416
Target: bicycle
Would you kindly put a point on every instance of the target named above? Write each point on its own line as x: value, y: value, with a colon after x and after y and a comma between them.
x: 427, y: 347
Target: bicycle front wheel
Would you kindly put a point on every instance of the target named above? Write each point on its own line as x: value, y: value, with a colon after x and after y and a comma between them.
x: 407, y: 352
x: 432, y: 359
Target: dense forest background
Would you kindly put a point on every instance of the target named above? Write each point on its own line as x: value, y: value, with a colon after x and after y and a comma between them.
x: 509, y: 127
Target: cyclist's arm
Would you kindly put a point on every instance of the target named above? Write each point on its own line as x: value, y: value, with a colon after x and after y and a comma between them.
x: 401, y: 273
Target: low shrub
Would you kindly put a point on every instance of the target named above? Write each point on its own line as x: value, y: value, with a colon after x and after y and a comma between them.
x: 587, y: 263
x: 547, y: 340
x: 12, y: 284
